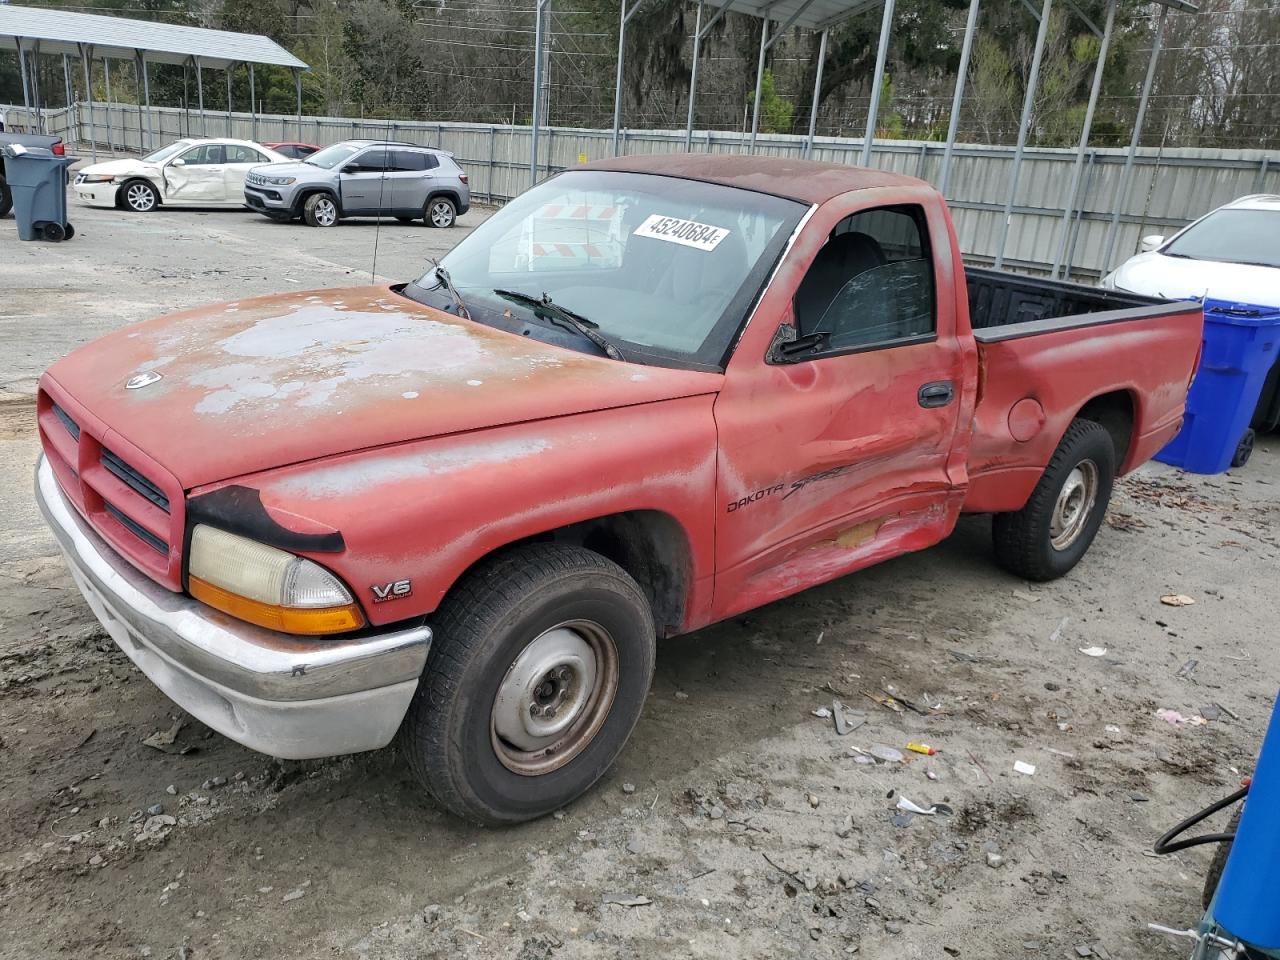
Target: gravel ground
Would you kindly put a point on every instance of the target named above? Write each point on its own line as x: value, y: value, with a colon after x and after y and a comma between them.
x: 736, y: 823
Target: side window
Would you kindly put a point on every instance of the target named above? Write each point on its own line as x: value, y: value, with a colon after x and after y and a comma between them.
x: 373, y: 160
x: 239, y: 154
x: 405, y: 161
x: 872, y: 283
x: 203, y: 155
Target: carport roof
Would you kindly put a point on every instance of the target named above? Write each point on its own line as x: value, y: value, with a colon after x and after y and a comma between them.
x: 59, y: 31
x: 820, y: 14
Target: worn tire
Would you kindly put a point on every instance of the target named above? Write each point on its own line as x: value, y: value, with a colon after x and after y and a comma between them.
x: 139, y: 196
x: 1023, y: 540
x: 319, y: 210
x: 1244, y: 449
x: 1219, y: 861
x: 491, y: 618
x: 6, y: 198
x: 440, y: 212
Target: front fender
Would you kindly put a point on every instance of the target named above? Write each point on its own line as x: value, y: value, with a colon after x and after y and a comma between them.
x: 426, y: 511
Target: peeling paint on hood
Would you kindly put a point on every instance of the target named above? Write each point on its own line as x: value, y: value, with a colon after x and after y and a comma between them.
x: 265, y: 382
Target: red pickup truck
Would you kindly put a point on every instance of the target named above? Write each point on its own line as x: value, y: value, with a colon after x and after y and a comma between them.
x: 646, y: 395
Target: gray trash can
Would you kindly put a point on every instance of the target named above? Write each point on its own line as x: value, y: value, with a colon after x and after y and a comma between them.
x: 38, y: 181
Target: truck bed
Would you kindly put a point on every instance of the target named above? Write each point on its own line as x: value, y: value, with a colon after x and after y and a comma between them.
x: 998, y: 299
x: 1048, y: 351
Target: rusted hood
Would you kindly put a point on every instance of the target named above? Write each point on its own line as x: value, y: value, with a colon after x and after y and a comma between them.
x: 270, y: 381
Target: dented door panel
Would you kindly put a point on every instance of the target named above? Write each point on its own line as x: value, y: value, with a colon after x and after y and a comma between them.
x: 830, y: 464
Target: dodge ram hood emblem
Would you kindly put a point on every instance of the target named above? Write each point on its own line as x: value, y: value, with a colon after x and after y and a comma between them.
x: 139, y: 380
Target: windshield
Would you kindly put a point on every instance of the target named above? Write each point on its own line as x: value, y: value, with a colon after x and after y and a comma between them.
x: 1231, y: 236
x: 330, y: 157
x: 164, y: 153
x: 667, y: 269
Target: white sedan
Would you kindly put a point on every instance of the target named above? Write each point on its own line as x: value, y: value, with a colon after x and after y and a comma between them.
x: 186, y: 172
x: 1232, y: 253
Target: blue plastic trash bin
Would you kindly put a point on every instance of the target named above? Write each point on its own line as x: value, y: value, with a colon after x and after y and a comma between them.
x: 1240, y: 345
x: 38, y: 181
x: 1247, y: 897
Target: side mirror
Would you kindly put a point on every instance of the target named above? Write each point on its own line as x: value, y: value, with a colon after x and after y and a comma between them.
x: 179, y: 162
x: 351, y: 168
x: 1152, y: 242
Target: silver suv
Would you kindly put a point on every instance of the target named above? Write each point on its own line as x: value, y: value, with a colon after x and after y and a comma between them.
x: 362, y: 178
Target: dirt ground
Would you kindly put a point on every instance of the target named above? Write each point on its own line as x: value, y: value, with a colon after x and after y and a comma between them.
x: 736, y: 823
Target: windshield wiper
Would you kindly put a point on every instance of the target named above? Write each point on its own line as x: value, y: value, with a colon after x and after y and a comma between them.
x: 548, y: 309
x: 445, y: 281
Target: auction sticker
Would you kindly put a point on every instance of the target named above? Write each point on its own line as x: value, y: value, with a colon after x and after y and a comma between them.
x: 690, y: 233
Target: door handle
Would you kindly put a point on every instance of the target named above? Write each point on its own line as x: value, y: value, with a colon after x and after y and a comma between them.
x: 936, y: 394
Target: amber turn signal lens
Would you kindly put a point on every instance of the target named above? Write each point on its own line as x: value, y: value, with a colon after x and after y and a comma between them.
x: 313, y: 621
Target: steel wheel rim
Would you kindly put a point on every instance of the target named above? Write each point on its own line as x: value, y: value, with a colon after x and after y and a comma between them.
x: 326, y: 213
x: 441, y: 214
x: 140, y: 198
x: 1074, y: 505
x: 554, y: 698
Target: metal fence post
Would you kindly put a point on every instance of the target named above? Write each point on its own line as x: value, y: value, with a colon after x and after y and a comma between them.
x: 538, y: 34
x: 957, y: 97
x: 1028, y: 102
x: 86, y: 61
x: 1070, y: 201
x: 817, y: 91
x: 1122, y: 189
x: 877, y: 81
x: 764, y: 48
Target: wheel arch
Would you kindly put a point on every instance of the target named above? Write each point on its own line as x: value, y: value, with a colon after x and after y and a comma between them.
x: 1117, y: 412
x: 444, y: 192
x: 309, y: 191
x: 652, y: 546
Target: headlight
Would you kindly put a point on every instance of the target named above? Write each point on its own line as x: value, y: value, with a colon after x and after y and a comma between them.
x: 279, y: 181
x: 96, y: 178
x: 266, y: 586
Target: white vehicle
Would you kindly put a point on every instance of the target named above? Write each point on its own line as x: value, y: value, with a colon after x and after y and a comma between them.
x: 192, y: 172
x: 1232, y: 253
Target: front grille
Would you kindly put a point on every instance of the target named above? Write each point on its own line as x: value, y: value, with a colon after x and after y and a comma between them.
x: 146, y: 536
x: 73, y: 428
x: 135, y: 480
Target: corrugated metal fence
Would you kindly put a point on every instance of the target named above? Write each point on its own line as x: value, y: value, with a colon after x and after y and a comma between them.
x: 1170, y: 187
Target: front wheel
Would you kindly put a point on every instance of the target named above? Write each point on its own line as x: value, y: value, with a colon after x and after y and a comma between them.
x: 139, y: 196
x: 441, y: 212
x: 538, y: 671
x: 1048, y: 536
x: 320, y: 211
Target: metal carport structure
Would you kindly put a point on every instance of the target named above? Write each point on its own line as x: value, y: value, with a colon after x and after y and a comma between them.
x: 823, y: 15
x: 32, y: 31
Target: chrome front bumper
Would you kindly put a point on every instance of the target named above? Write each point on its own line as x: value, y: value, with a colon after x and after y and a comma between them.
x: 292, y: 697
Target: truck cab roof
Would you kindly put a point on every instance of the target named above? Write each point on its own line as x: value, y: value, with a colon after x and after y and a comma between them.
x: 805, y: 180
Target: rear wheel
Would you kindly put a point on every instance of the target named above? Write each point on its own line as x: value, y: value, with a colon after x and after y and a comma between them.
x: 538, y: 671
x: 440, y: 212
x: 1244, y: 449
x: 320, y: 210
x: 139, y: 196
x: 1048, y: 536
x: 53, y: 232
x: 1219, y: 862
